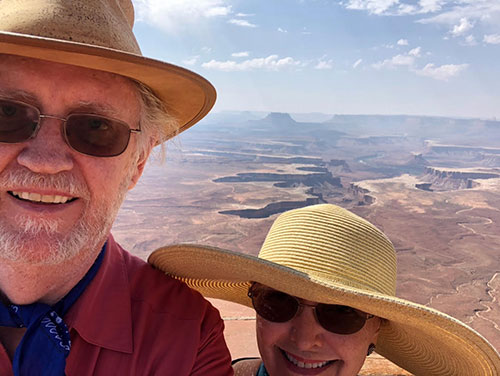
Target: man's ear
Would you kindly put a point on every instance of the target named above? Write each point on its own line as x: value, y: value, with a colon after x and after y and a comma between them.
x: 140, y: 164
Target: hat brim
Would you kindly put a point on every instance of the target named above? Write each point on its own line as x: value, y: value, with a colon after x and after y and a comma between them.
x: 419, y: 339
x: 187, y: 96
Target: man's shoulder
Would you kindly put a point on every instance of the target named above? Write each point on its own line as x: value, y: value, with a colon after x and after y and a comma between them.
x: 162, y: 293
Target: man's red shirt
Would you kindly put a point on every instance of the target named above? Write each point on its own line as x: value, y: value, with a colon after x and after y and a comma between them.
x: 134, y: 320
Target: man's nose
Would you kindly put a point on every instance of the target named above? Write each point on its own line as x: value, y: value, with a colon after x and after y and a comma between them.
x: 47, y: 152
x: 305, y: 331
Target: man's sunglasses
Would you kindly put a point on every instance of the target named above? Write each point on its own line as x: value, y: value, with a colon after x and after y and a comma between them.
x: 276, y: 306
x: 89, y: 134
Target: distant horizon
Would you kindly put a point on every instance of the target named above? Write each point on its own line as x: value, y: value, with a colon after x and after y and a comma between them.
x: 215, y: 111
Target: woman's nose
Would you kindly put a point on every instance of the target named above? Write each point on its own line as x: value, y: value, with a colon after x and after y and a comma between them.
x: 305, y: 331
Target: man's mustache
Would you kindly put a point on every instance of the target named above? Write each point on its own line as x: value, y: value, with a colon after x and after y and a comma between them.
x: 62, y: 182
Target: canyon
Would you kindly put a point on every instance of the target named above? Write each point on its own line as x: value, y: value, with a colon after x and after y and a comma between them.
x: 431, y: 184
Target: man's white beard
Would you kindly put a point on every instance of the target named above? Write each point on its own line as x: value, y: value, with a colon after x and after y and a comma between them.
x: 39, y: 241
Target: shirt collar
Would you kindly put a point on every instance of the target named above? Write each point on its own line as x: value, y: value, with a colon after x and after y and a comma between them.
x: 108, y: 294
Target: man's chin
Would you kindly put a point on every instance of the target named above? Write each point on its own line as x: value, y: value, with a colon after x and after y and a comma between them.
x: 34, y: 250
x: 47, y: 246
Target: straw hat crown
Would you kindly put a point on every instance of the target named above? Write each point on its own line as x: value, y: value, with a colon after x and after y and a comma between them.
x: 319, y: 240
x: 105, y: 23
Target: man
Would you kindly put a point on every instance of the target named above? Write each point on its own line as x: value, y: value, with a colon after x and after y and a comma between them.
x: 80, y: 111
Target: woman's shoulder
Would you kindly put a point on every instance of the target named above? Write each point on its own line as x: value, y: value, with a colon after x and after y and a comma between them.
x: 246, y: 366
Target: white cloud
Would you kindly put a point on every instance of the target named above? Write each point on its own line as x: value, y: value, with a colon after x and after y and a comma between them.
x: 324, y: 64
x: 402, y: 60
x: 492, y: 39
x: 470, y: 40
x: 272, y: 62
x: 447, y: 12
x: 372, y: 6
x: 206, y: 49
x: 458, y: 16
x: 240, y: 54
x: 406, y: 9
x: 403, y: 42
x: 395, y: 61
x: 430, y: 6
x: 239, y: 22
x: 463, y: 27
x: 217, y: 11
x: 443, y: 72
x: 282, y: 30
x: 175, y: 15
x: 396, y: 7
x: 356, y: 63
x: 487, y: 11
x: 415, y: 52
x: 191, y: 61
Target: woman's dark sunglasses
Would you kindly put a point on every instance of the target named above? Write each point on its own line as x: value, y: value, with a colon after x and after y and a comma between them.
x: 89, y: 134
x: 276, y: 306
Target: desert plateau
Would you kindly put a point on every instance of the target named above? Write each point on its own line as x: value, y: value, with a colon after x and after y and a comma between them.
x: 431, y: 184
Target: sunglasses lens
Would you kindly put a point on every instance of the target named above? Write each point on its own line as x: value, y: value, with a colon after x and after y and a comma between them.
x: 277, y: 306
x: 18, y: 121
x: 96, y: 135
x: 274, y: 305
x: 340, y: 319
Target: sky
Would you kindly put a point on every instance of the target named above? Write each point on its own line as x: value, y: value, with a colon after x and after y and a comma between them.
x: 416, y: 57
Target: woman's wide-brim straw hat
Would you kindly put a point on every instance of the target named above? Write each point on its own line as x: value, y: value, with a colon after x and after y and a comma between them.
x: 97, y: 34
x: 326, y: 254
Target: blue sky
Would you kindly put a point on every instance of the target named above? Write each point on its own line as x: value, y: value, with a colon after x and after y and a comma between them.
x: 423, y: 57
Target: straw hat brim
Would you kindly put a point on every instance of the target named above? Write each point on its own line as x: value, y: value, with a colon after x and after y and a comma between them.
x: 187, y: 95
x: 419, y: 339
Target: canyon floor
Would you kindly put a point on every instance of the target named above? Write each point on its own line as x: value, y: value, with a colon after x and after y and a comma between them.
x: 447, y: 242
x: 440, y: 206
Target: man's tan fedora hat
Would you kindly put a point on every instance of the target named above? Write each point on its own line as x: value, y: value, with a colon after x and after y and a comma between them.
x: 327, y: 254
x: 97, y: 34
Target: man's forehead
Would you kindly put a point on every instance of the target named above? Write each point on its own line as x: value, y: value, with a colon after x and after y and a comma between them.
x: 26, y: 79
x: 27, y: 65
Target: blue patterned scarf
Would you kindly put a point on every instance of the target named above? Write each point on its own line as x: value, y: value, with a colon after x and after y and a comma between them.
x: 46, y: 343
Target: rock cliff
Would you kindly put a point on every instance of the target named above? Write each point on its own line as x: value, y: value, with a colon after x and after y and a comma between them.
x: 443, y: 179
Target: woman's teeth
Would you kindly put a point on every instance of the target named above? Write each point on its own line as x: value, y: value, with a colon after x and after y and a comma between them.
x: 301, y: 364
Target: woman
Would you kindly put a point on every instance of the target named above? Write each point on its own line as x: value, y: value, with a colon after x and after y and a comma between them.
x: 323, y: 287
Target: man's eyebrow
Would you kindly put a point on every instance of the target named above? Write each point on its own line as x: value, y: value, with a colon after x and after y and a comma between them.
x: 82, y: 106
x: 18, y: 94
x: 95, y: 108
